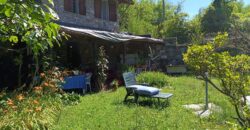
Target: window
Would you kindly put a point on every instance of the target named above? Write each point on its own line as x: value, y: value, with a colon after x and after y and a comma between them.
x: 82, y: 7
x: 105, y: 10
x: 112, y: 10
x: 75, y: 6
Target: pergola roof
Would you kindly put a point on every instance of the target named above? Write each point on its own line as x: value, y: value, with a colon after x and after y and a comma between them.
x: 109, y: 36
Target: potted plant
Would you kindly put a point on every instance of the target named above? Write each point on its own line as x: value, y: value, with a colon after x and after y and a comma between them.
x: 114, y: 84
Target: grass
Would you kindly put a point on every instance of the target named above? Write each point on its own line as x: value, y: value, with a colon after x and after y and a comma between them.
x: 106, y: 110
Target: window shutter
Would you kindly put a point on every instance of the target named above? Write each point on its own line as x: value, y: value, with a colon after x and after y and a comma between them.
x: 68, y: 5
x: 82, y: 7
x: 97, y: 8
x: 112, y: 11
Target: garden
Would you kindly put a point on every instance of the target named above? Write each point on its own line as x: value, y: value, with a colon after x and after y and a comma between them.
x: 106, y: 110
x: 32, y: 80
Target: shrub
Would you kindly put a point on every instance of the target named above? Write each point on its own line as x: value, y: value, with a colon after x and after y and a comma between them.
x: 70, y: 99
x: 102, y: 67
x: 156, y: 79
x: 114, y: 84
x: 37, y: 108
x: 22, y: 110
x: 232, y: 73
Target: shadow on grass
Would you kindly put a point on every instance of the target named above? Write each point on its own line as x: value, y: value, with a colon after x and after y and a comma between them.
x: 145, y: 102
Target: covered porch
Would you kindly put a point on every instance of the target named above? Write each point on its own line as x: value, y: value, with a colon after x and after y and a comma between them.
x: 123, y: 50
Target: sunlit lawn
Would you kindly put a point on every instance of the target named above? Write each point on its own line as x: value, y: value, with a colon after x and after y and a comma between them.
x: 107, y: 111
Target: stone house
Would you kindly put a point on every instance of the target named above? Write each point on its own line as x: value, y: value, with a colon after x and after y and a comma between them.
x: 91, y: 14
x: 94, y: 23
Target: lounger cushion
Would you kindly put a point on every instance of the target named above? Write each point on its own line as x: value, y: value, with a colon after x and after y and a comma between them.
x: 145, y: 90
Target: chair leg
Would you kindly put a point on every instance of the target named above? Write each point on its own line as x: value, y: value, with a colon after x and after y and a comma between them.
x: 136, y: 98
x: 158, y: 101
x: 83, y: 91
x: 125, y: 99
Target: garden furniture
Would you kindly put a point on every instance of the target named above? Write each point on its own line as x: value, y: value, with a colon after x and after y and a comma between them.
x: 144, y: 90
x: 75, y: 82
x: 88, y: 81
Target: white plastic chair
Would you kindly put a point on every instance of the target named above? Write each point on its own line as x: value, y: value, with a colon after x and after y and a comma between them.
x: 88, y: 80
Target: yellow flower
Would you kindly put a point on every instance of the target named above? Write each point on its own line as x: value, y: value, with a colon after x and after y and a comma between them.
x: 38, y: 88
x: 42, y: 75
x: 5, y: 111
x: 10, y: 102
x: 46, y: 84
x: 38, y: 109
x: 35, y: 102
x: 14, y: 107
x: 61, y: 78
x: 20, y: 97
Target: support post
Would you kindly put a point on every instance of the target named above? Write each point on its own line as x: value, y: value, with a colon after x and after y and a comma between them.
x: 124, y: 53
x: 206, y: 91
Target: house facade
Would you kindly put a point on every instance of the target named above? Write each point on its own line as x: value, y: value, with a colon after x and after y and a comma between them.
x: 94, y: 23
x: 90, y: 14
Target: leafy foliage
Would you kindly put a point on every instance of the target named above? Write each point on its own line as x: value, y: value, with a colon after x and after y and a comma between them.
x: 102, y: 66
x: 27, y: 29
x: 151, y: 20
x: 217, y: 17
x: 70, y: 99
x: 232, y: 72
x: 156, y: 79
x: 29, y: 22
x: 37, y: 108
x: 27, y: 111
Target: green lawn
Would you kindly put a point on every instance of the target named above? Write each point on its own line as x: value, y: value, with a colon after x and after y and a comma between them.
x: 107, y: 111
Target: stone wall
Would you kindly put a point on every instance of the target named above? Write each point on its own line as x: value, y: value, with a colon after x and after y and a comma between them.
x: 87, y: 21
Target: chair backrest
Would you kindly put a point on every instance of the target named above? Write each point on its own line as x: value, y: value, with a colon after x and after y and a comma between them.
x: 88, y: 77
x: 129, y: 78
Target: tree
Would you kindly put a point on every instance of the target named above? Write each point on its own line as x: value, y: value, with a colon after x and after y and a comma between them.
x: 27, y: 26
x: 240, y: 28
x: 217, y: 17
x: 146, y: 17
x: 232, y: 72
x: 141, y: 12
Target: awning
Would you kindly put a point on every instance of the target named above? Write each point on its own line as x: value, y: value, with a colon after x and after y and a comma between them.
x: 109, y: 36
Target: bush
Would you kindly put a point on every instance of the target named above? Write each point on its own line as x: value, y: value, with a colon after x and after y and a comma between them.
x: 22, y: 110
x: 37, y: 108
x: 156, y: 79
x: 70, y: 99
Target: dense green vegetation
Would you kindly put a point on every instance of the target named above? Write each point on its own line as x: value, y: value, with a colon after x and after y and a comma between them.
x: 217, y: 17
x: 231, y: 71
x: 106, y: 110
x: 156, y: 79
x: 152, y: 20
x: 36, y: 108
x: 220, y: 16
x: 27, y: 30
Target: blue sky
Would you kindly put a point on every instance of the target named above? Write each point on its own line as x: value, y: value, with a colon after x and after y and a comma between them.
x: 192, y: 7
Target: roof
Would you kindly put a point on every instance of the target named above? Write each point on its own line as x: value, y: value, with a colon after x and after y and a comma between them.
x: 126, y: 1
x: 109, y: 36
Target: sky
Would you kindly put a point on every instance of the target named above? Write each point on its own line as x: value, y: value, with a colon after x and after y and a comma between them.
x: 192, y: 7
